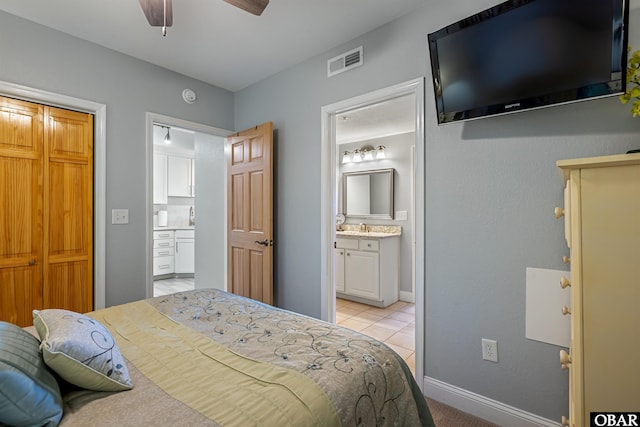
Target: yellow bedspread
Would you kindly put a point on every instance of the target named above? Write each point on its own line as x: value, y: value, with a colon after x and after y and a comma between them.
x: 224, y: 386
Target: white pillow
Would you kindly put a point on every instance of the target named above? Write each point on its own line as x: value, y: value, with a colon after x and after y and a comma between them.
x: 81, y: 350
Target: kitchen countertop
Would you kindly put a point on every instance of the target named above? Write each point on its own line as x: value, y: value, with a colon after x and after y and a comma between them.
x: 174, y: 227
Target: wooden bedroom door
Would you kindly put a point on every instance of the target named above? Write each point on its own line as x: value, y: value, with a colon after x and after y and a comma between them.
x: 250, y: 213
x: 46, y: 210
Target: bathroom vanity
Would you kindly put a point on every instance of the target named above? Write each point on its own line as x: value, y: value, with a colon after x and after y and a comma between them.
x: 366, y: 265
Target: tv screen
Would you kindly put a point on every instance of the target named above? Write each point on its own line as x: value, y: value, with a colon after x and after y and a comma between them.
x: 525, y: 54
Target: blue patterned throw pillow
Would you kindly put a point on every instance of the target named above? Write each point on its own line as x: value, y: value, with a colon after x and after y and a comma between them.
x: 29, y: 393
x: 81, y: 350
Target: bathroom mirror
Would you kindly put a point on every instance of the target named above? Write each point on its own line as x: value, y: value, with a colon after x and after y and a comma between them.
x: 368, y: 194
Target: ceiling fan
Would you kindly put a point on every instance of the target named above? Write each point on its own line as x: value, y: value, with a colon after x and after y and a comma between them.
x: 159, y: 13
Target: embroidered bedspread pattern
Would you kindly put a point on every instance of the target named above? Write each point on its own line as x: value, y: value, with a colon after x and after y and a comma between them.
x: 227, y: 388
x: 364, y: 379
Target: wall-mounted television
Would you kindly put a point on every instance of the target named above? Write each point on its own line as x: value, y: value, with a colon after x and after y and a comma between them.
x: 526, y: 54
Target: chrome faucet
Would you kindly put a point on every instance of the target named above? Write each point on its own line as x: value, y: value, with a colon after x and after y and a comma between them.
x: 363, y: 228
x: 192, y: 216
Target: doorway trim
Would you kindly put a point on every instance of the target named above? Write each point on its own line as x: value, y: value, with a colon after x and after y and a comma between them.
x: 328, y: 205
x: 99, y: 112
x: 150, y: 119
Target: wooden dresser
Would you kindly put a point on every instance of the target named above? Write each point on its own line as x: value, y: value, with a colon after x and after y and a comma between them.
x: 602, y: 229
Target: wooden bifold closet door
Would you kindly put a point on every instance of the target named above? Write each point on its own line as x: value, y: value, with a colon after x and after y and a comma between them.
x: 46, y: 210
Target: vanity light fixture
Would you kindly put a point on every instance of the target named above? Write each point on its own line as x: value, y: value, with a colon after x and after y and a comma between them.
x: 346, y: 157
x: 365, y: 153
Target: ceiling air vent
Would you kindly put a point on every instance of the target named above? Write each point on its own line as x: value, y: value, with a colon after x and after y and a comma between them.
x: 344, y: 62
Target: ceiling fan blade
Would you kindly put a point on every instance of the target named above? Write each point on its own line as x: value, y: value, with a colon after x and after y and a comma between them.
x: 154, y: 11
x: 252, y: 6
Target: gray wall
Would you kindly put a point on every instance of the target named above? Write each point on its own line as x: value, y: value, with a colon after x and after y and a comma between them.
x: 40, y: 58
x: 491, y: 186
x: 398, y: 150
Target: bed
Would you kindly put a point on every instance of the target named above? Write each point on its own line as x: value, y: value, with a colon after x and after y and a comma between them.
x: 207, y: 357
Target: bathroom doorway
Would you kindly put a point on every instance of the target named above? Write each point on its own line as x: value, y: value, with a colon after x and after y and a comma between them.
x: 404, y: 150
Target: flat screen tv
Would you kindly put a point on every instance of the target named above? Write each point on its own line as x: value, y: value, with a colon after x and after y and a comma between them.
x: 526, y: 54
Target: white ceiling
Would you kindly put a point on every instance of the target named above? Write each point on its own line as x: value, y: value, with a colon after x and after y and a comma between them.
x: 214, y: 41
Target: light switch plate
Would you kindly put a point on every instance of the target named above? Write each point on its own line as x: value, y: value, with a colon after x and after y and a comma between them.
x: 119, y: 216
x: 401, y: 215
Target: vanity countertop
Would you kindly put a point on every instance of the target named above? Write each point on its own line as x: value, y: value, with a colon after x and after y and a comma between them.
x: 377, y: 231
x: 376, y: 234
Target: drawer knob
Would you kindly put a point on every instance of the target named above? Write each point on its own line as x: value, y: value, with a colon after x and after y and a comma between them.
x: 565, y: 421
x: 558, y: 212
x: 564, y: 282
x: 566, y: 310
x: 565, y: 359
x: 566, y: 259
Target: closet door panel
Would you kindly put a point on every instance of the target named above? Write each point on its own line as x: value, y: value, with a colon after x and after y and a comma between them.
x: 68, y: 201
x: 21, y: 253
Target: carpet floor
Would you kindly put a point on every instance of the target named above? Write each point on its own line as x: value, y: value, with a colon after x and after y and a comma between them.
x: 446, y: 416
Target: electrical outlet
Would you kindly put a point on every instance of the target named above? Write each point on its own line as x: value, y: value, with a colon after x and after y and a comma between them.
x: 490, y: 350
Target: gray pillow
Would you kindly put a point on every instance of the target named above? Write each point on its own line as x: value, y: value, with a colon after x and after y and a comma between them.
x: 81, y: 350
x: 29, y: 393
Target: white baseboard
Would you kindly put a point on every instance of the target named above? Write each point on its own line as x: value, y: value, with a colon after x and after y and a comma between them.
x: 406, y: 296
x: 482, y: 407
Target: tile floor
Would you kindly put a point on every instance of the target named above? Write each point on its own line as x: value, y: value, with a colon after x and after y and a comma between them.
x: 170, y: 286
x: 393, y: 325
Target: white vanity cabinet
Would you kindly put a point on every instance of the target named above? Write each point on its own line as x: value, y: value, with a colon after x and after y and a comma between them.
x: 367, y: 269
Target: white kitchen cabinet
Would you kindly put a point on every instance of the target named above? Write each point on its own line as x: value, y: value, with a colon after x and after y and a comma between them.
x: 185, y: 251
x: 181, y: 173
x: 602, y: 227
x: 159, y: 179
x: 368, y: 269
x: 163, y: 252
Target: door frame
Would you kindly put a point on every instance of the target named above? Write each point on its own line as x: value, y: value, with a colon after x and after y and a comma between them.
x: 99, y: 112
x: 329, y: 161
x: 150, y: 119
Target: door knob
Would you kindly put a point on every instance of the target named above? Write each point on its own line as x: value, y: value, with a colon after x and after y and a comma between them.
x: 264, y: 242
x: 33, y: 261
